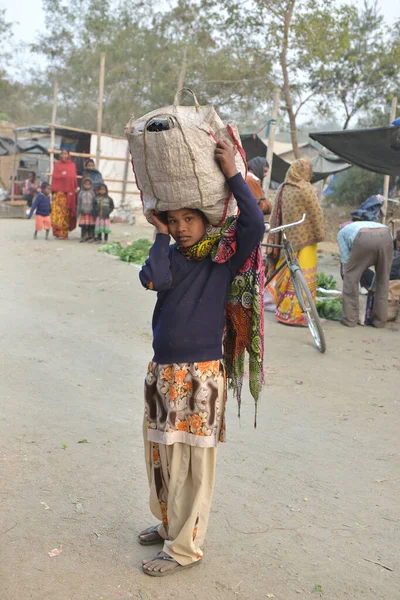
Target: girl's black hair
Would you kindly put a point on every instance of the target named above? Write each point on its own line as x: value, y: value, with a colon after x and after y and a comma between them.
x: 104, y: 186
x: 163, y: 216
x: 32, y: 173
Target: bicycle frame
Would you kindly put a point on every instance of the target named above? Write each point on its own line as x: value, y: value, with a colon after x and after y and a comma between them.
x: 286, y: 246
x: 301, y: 289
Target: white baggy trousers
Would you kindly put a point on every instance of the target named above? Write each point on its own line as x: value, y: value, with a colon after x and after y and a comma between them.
x: 181, y: 479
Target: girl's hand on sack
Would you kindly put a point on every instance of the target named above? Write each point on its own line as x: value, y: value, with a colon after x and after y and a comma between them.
x: 154, y: 220
x: 225, y: 155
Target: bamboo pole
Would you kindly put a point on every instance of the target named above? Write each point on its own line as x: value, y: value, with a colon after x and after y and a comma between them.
x: 14, y: 165
x: 111, y: 180
x: 89, y: 155
x: 271, y: 139
x: 386, y: 179
x: 67, y: 129
x: 53, y: 127
x: 126, y: 168
x: 119, y: 192
x: 100, y: 109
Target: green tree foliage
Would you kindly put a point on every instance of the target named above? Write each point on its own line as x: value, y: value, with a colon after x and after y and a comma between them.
x: 327, y: 57
x: 363, y: 70
x: 355, y: 185
x: 147, y: 50
x: 377, y: 116
x: 13, y: 94
x: 7, y: 90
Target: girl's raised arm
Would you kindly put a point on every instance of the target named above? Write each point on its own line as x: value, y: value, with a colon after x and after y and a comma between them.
x: 156, y: 272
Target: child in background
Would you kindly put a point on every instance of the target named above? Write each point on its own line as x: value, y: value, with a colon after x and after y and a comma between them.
x: 104, y: 208
x: 42, y: 206
x: 86, y: 210
x: 31, y: 188
x: 94, y: 174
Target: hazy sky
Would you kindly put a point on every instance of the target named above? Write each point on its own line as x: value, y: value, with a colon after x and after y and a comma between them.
x: 28, y: 15
x: 28, y: 22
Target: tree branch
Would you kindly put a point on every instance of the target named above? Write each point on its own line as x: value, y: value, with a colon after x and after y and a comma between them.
x: 304, y: 102
x: 276, y: 13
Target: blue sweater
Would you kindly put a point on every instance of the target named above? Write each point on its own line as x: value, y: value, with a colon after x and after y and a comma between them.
x: 189, y: 316
x: 42, y: 205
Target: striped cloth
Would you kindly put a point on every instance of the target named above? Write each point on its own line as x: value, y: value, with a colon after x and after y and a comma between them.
x: 85, y: 220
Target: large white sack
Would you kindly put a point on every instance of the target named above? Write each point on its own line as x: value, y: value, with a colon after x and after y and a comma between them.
x: 177, y: 168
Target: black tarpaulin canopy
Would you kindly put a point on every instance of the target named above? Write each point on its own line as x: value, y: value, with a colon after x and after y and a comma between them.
x: 376, y: 149
x: 324, y: 164
x: 254, y: 146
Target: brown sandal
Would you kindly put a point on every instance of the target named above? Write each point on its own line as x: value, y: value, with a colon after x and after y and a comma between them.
x: 151, y: 530
x: 170, y: 571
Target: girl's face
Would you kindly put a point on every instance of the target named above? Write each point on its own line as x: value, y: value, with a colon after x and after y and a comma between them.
x: 186, y: 226
x: 64, y: 155
x: 32, y: 177
x: 90, y: 165
x: 87, y: 184
x: 102, y: 190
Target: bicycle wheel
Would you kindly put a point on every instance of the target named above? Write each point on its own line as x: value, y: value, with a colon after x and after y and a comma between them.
x: 309, y: 309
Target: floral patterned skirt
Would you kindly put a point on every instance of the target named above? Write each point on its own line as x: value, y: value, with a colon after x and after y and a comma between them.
x: 185, y: 403
x: 60, y: 215
x: 287, y: 308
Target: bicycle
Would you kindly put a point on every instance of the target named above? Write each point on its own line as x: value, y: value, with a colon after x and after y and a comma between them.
x: 300, y: 286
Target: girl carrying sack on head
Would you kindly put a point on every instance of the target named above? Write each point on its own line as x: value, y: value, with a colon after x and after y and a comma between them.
x: 209, y: 296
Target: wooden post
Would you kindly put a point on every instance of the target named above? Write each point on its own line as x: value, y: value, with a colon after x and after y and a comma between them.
x: 53, y: 128
x: 14, y: 165
x: 271, y: 139
x: 386, y: 179
x: 182, y: 74
x: 126, y: 170
x: 100, y: 109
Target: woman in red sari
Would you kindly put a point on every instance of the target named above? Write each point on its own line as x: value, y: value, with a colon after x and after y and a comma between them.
x: 64, y: 184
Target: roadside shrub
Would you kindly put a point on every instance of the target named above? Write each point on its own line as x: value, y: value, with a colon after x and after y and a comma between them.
x: 354, y: 186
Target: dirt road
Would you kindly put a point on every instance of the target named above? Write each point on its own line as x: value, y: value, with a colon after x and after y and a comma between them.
x: 308, y: 501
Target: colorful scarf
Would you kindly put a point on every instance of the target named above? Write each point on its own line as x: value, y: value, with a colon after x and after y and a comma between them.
x: 244, y: 315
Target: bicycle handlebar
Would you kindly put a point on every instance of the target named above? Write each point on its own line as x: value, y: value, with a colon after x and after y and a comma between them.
x: 283, y: 227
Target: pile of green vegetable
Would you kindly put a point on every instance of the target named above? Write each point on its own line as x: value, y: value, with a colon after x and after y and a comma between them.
x: 135, y: 252
x: 114, y: 249
x: 328, y: 282
x: 328, y: 307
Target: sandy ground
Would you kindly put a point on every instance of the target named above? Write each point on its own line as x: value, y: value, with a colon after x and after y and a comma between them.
x: 308, y: 501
